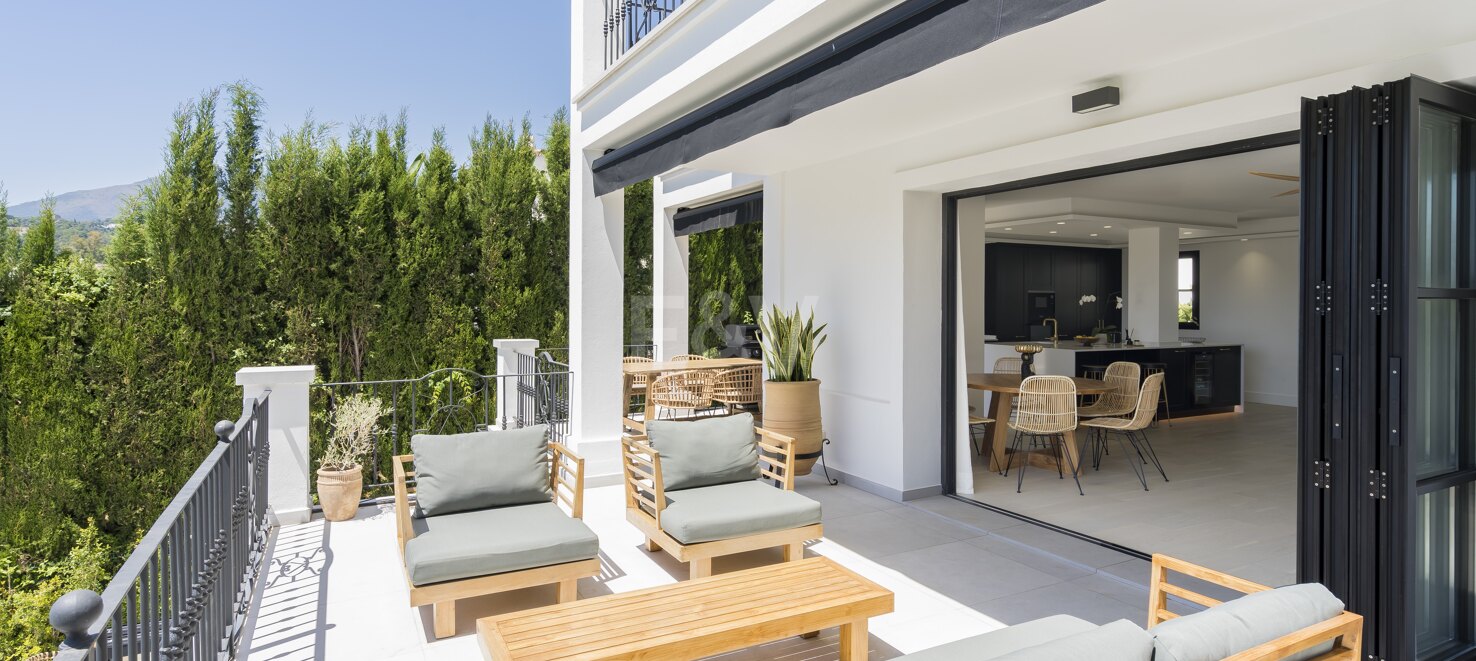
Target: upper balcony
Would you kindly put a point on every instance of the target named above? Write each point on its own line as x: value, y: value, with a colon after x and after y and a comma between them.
x: 640, y: 63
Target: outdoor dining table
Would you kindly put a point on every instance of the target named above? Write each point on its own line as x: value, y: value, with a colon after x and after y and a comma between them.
x: 1005, y: 388
x: 631, y: 370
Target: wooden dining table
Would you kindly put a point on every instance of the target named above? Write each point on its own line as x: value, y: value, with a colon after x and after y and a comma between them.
x: 632, y: 370
x: 1005, y: 388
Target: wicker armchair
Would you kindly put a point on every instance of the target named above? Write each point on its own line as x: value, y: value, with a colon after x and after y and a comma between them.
x: 1047, y: 411
x: 682, y: 390
x: 638, y: 382
x: 1118, y: 402
x: 737, y: 387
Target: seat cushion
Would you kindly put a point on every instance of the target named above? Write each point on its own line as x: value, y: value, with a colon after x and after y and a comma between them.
x: 463, y: 472
x: 1240, y: 624
x: 997, y: 643
x: 699, y: 453
x: 448, y: 547
x: 738, y: 509
x: 1115, y: 641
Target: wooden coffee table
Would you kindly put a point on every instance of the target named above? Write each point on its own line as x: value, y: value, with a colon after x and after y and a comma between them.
x: 696, y: 618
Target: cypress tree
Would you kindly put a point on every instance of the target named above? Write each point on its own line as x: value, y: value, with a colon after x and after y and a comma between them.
x: 502, y: 184
x: 10, y: 258
x: 550, y: 269
x: 40, y: 240
x: 298, y: 242
x: 241, y: 180
x: 391, y: 335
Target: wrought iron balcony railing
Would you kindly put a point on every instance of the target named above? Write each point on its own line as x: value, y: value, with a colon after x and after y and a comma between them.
x: 629, y: 21
x: 185, y: 590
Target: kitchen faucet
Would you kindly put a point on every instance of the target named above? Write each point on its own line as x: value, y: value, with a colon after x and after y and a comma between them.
x: 1055, y: 328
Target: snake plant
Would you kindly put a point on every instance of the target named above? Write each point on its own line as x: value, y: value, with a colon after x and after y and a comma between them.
x: 789, y: 344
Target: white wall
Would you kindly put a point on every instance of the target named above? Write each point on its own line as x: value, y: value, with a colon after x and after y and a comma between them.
x: 1249, y: 291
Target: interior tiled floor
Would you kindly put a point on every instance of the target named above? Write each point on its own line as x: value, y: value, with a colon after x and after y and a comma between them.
x: 337, y: 591
x: 1230, y: 502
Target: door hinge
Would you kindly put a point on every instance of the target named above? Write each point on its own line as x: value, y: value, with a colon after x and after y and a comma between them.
x: 1325, y: 120
x: 1380, y: 110
x: 1322, y: 299
x: 1322, y: 474
x: 1378, y: 297
x: 1378, y: 485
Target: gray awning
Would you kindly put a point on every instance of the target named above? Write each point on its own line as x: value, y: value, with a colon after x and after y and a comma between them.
x: 727, y: 213
x: 902, y: 41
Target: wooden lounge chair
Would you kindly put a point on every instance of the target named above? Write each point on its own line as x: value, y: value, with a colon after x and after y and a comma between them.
x: 710, y: 515
x: 522, y: 541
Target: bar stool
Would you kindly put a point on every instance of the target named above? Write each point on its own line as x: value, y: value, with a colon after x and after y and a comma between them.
x: 1098, y: 372
x: 1150, y: 369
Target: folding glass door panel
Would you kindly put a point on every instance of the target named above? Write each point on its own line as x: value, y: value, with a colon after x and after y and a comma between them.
x: 1388, y: 437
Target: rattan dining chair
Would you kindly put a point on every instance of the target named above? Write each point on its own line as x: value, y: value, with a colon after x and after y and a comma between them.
x: 1047, y: 411
x: 1131, y: 429
x: 638, y: 382
x: 739, y: 387
x: 687, y: 356
x: 1008, y: 365
x: 1118, y: 402
x: 688, y: 389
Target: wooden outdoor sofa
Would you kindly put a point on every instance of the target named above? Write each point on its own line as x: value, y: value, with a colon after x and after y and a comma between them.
x: 695, y: 525
x: 1302, y: 619
x: 496, y: 549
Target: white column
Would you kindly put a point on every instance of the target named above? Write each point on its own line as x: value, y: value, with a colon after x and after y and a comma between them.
x: 288, y: 470
x: 596, y: 302
x: 773, y: 242
x: 1152, y: 284
x: 669, y: 291
x: 507, y: 363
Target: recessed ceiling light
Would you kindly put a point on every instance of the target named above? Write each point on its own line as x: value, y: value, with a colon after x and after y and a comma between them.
x: 1094, y: 235
x: 1245, y: 239
x: 1060, y: 222
x: 1053, y: 231
x: 1106, y: 227
x: 1008, y: 229
x: 1187, y: 232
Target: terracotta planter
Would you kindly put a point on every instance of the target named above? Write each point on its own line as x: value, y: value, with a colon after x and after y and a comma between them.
x: 793, y: 409
x: 339, y: 492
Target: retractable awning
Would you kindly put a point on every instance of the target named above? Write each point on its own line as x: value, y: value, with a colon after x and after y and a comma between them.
x: 731, y: 212
x: 911, y: 37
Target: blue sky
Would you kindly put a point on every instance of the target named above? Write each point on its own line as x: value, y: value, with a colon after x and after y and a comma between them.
x: 87, y: 88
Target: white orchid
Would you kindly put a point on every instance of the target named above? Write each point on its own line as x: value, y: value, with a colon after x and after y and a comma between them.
x: 1119, y: 302
x: 1087, y: 298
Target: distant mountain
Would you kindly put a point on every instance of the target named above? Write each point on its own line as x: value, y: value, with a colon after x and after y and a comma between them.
x: 84, y: 205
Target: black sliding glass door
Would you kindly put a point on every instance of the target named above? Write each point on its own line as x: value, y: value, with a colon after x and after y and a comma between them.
x: 1388, y: 500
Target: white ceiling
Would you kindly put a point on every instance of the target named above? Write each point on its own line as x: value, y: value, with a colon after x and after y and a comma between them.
x: 1214, y: 198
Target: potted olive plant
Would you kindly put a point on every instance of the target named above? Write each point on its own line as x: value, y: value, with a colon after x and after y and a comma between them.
x: 791, y: 393
x: 340, y: 475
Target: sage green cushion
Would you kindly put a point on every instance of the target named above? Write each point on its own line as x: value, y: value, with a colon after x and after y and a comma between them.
x: 1240, y: 624
x: 999, y: 642
x: 463, y: 472
x: 699, y: 453
x: 1116, y: 641
x: 736, y: 509
x: 448, y: 547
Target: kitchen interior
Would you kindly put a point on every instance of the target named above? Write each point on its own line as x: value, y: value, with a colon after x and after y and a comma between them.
x: 1187, y: 270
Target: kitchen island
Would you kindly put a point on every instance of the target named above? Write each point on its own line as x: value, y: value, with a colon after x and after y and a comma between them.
x: 1198, y: 379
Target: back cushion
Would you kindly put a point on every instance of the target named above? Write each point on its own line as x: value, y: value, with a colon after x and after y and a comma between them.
x: 1117, y: 641
x: 701, y: 453
x: 1240, y: 624
x: 460, y: 472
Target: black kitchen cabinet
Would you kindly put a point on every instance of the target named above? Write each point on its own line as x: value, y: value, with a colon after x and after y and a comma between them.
x: 1196, y: 380
x: 1226, y: 376
x: 1011, y: 270
x: 1176, y: 382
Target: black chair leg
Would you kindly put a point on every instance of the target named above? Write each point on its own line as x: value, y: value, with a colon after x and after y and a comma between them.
x: 1059, y: 447
x: 1019, y: 451
x: 1066, y: 458
x: 1137, y: 470
x: 1153, y: 456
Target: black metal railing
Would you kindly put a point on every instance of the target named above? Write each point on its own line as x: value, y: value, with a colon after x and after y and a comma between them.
x: 561, y: 354
x: 629, y: 21
x: 185, y: 590
x: 446, y: 401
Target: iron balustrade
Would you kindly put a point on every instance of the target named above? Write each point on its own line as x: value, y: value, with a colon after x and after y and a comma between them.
x: 629, y: 21
x: 185, y: 590
x: 446, y: 401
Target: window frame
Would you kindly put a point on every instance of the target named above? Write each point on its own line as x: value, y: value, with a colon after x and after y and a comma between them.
x: 1194, y: 306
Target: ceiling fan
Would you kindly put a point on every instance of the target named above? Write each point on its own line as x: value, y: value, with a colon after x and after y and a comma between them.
x: 1281, y: 177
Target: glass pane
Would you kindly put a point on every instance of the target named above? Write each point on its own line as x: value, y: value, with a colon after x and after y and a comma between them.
x: 1444, y: 563
x: 1186, y: 273
x: 1442, y: 241
x: 1443, y: 397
